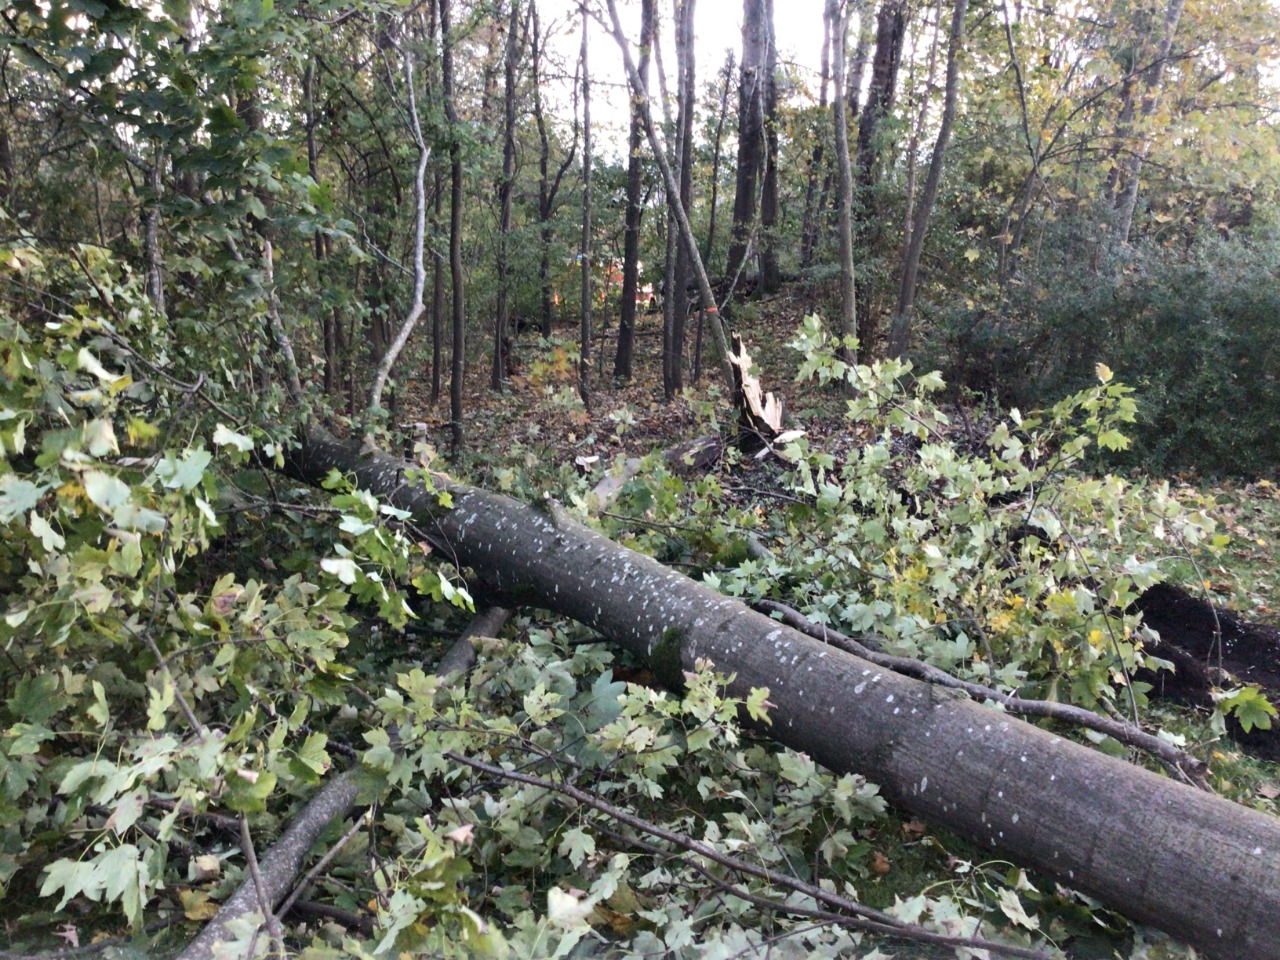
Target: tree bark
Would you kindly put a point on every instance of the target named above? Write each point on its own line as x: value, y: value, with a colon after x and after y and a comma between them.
x: 1128, y: 200
x: 416, y: 305
x: 548, y: 185
x: 809, y: 231
x: 1158, y: 851
x: 684, y: 153
x: 690, y: 242
x: 891, y: 31
x: 770, y: 276
x: 623, y: 358
x: 750, y: 131
x: 869, y: 232
x: 501, y: 323
x: 911, y: 261
x: 726, y: 80
x: 584, y: 341
x: 459, y: 358
x: 839, y: 25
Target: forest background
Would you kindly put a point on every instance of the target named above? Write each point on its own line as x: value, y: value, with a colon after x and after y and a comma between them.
x: 522, y: 234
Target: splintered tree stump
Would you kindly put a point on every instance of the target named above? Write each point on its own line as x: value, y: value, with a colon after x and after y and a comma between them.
x: 759, y: 412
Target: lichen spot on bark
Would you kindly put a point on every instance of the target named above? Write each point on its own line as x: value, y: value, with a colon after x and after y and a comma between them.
x: 664, y: 659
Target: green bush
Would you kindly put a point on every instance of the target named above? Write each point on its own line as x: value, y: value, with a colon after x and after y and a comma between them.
x: 1195, y: 335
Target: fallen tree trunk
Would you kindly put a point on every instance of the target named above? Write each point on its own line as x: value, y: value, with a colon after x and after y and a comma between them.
x: 1160, y: 852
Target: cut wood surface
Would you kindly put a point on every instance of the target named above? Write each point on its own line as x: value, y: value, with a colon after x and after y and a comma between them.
x: 1163, y: 853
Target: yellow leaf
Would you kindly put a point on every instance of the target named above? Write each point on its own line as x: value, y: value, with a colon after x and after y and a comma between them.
x: 196, y: 905
x: 1104, y: 372
x: 971, y: 254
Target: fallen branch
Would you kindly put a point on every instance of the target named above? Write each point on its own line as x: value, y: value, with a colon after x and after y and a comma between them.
x: 850, y: 912
x: 277, y: 870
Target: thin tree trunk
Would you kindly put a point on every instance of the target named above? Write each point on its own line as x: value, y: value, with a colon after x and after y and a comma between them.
x: 750, y: 131
x: 328, y: 322
x: 548, y: 185
x: 809, y: 230
x: 917, y: 132
x: 1128, y: 201
x: 584, y: 358
x: 848, y: 295
x: 459, y: 358
x: 501, y: 335
x: 437, y: 294
x: 631, y: 239
x: 155, y: 257
x: 911, y: 261
x: 770, y: 275
x: 870, y: 221
x: 416, y: 305
x: 682, y: 219
x: 726, y: 80
x: 684, y: 153
x: 891, y: 31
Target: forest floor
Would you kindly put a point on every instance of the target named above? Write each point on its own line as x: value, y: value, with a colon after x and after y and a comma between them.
x: 538, y: 422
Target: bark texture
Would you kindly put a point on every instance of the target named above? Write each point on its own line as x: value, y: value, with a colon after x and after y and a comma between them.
x: 1161, y: 852
x: 755, y: 45
x: 631, y: 236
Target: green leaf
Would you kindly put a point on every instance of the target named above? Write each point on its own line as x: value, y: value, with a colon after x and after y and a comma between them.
x: 247, y: 790
x: 106, y: 492
x: 49, y: 538
x: 577, y: 845
x: 225, y: 437
x: 33, y: 698
x: 17, y: 496
x: 1113, y: 440
x: 189, y: 471
x: 73, y: 877
x: 27, y: 738
x: 100, y: 438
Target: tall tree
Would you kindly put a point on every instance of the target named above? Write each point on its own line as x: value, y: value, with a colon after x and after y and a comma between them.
x: 416, y: 302
x: 725, y: 84
x: 687, y: 237
x: 584, y: 255
x: 891, y: 31
x: 809, y: 225
x: 755, y: 44
x: 459, y: 346
x: 506, y: 184
x: 635, y: 174
x: 683, y: 269
x: 770, y: 276
x: 900, y: 333
x: 838, y: 24
x: 548, y: 182
x: 1132, y: 166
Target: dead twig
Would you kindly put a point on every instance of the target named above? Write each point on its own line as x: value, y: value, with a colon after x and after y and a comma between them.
x: 842, y: 910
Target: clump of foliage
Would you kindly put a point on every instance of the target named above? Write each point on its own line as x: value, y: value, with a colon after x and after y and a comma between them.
x: 982, y: 548
x: 1193, y: 333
